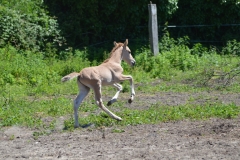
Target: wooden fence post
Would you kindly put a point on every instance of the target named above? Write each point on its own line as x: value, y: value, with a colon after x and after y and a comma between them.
x: 153, y: 28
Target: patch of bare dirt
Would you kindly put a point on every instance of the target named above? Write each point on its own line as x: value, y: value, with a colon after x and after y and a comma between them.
x: 145, y: 100
x: 212, y: 139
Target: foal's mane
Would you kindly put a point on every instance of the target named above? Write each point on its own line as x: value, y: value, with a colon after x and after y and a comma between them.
x: 113, y: 50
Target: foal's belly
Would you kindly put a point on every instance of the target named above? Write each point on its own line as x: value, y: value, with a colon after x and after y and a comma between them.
x: 106, y: 82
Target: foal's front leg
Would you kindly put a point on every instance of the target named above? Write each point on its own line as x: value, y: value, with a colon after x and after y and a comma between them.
x: 114, y: 98
x: 129, y: 77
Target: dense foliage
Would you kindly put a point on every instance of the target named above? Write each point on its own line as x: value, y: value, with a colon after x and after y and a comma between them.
x: 44, y: 25
x: 89, y: 22
x: 93, y: 22
x: 26, y: 25
x: 207, y: 21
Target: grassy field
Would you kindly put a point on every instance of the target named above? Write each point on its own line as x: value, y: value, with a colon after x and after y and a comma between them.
x: 32, y: 95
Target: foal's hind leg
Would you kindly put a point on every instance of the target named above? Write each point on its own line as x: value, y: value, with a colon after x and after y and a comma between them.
x: 98, y: 97
x: 114, y: 98
x: 83, y: 91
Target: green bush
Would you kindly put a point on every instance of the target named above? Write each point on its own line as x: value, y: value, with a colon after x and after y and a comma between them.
x: 180, y: 58
x: 232, y: 48
x: 26, y: 25
x: 155, y: 66
x: 174, y: 55
x: 198, y: 49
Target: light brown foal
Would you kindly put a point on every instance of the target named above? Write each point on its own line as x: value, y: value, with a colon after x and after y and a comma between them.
x: 107, y: 73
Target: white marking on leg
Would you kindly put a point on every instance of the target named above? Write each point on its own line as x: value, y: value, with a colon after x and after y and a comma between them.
x: 119, y: 87
x: 114, y: 98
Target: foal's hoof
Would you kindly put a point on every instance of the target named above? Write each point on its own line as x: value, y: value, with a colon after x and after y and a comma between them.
x: 76, y: 126
x: 130, y: 101
x: 109, y: 103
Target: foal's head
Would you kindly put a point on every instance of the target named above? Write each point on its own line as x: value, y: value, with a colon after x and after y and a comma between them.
x: 126, y: 54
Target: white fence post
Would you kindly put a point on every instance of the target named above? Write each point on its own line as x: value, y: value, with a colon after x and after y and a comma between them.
x: 153, y: 28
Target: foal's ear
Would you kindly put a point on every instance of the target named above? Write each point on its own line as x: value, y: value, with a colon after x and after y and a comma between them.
x: 126, y: 43
x: 115, y: 43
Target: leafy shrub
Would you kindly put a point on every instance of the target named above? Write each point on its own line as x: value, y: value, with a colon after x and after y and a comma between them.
x: 232, y: 48
x: 156, y: 66
x: 26, y: 25
x: 198, y: 49
x: 174, y: 55
x: 180, y: 57
x: 167, y: 42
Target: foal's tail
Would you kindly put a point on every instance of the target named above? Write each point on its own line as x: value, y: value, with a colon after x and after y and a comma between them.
x: 70, y: 76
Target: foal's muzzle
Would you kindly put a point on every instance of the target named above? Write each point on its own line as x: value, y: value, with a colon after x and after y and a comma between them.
x: 133, y: 63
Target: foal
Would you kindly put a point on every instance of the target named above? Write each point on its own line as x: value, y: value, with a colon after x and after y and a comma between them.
x: 107, y: 73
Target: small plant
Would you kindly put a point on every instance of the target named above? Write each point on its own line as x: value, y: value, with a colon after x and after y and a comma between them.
x: 117, y: 130
x: 198, y: 49
x: 36, y: 135
x: 12, y: 137
x: 68, y: 124
x: 232, y: 48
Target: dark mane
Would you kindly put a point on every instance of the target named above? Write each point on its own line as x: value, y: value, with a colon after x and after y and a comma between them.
x: 113, y: 50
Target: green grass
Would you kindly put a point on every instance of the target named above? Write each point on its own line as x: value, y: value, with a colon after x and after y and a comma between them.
x: 31, y: 112
x: 157, y: 113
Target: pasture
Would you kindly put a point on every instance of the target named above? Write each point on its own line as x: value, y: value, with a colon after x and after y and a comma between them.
x: 186, y: 107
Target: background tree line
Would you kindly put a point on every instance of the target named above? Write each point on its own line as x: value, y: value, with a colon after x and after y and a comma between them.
x: 219, y: 20
x: 45, y: 25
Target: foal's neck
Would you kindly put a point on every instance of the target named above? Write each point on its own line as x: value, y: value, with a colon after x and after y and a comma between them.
x: 117, y: 56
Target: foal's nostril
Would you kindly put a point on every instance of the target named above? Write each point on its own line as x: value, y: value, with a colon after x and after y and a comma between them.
x: 133, y: 63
